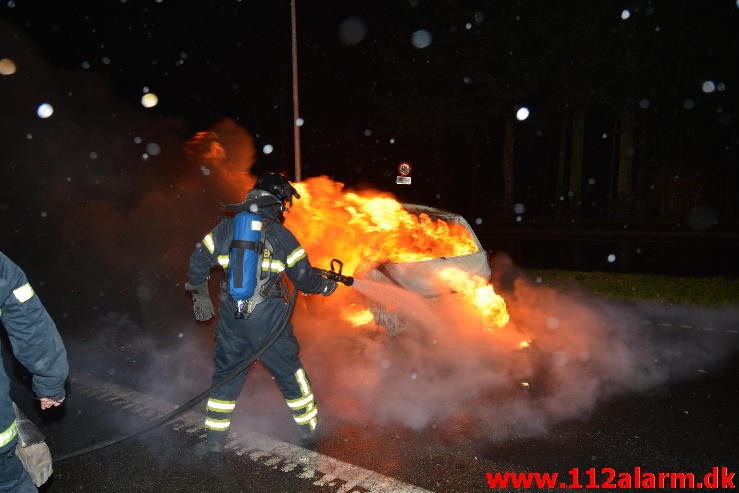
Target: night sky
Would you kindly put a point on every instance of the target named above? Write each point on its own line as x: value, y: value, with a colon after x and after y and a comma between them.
x: 433, y: 83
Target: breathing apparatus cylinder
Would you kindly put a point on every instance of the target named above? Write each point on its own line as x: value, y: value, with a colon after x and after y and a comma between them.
x: 244, y: 260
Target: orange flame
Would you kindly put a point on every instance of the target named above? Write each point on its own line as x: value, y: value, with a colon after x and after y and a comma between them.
x: 480, y: 293
x: 369, y: 227
x: 226, y: 153
x: 357, y: 315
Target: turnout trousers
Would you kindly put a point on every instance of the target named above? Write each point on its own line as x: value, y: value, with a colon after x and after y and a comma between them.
x: 236, y: 341
x: 13, y: 477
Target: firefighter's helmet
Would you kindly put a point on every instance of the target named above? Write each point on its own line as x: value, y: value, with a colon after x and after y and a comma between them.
x: 277, y: 185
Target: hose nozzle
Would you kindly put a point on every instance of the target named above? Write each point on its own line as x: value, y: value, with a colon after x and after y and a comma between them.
x: 335, y: 273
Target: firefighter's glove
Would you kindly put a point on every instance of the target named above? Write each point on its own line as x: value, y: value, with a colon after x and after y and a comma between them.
x: 328, y: 287
x: 31, y: 449
x: 202, y: 306
x: 36, y: 460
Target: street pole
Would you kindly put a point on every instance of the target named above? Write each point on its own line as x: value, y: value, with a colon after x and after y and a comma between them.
x: 296, y: 111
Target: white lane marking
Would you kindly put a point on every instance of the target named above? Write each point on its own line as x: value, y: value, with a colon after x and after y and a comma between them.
x: 338, y: 476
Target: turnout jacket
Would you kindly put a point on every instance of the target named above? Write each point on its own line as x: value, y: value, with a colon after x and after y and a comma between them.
x: 35, y: 342
x: 287, y: 257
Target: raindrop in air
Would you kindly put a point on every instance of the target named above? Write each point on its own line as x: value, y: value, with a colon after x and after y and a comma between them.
x: 519, y: 208
x: 45, y: 110
x: 149, y: 100
x: 267, y: 149
x: 708, y: 86
x: 522, y: 113
x: 352, y: 31
x: 625, y: 14
x: 611, y: 258
x: 153, y: 149
x: 7, y: 66
x: 421, y: 39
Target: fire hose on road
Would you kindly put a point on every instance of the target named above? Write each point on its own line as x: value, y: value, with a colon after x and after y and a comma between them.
x: 289, y: 309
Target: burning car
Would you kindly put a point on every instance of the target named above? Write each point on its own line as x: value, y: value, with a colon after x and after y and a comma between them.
x: 424, y: 250
x: 422, y: 276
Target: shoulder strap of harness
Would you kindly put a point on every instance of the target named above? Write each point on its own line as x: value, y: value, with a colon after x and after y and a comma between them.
x: 267, y: 278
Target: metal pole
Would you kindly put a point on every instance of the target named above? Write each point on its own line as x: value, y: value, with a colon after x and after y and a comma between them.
x: 296, y: 112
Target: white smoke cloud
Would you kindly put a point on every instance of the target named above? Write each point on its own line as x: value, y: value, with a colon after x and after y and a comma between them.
x: 444, y: 369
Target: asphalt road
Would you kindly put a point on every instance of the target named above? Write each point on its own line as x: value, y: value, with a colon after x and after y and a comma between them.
x: 686, y: 423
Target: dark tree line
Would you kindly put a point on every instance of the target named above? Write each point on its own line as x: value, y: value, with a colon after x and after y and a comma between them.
x: 621, y: 126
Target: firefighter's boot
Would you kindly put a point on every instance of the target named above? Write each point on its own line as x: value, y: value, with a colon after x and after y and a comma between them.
x: 309, y: 437
x: 214, y: 444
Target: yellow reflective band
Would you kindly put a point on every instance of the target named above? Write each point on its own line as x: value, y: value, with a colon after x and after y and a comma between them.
x: 305, y: 418
x: 23, y: 293
x: 274, y: 266
x: 208, y: 242
x: 313, y: 423
x: 300, y: 402
x: 217, y: 424
x: 8, y: 435
x: 294, y: 257
x: 223, y: 260
x: 302, y: 381
x: 221, y: 406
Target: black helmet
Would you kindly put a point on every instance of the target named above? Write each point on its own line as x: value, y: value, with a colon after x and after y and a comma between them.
x: 277, y: 185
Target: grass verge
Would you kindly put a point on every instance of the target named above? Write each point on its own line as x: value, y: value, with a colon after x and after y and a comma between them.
x: 698, y: 291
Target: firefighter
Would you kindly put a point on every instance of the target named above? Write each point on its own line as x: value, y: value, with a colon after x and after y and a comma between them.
x: 37, y: 345
x: 240, y: 335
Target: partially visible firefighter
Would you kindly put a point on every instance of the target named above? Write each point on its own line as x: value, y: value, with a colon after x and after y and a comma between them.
x: 254, y: 248
x: 37, y: 345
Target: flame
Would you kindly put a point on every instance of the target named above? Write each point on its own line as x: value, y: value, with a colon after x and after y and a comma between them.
x: 226, y: 154
x: 357, y: 315
x: 367, y: 228
x: 480, y: 293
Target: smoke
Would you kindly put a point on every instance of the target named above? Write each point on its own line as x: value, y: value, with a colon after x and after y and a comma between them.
x: 444, y: 371
x: 102, y: 204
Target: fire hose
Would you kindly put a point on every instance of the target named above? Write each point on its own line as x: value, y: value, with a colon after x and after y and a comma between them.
x: 289, y: 309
